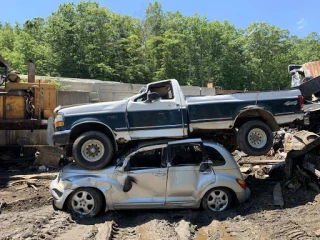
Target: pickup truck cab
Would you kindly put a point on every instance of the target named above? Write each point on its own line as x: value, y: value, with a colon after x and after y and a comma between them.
x: 93, y: 132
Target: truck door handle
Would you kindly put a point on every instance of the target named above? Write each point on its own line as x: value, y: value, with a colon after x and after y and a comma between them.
x: 160, y: 174
x: 177, y: 104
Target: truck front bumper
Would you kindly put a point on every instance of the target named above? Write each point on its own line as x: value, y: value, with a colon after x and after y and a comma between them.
x: 61, y: 137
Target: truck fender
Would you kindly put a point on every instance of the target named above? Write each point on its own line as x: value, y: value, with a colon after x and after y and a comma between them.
x: 110, y: 132
x: 257, y: 112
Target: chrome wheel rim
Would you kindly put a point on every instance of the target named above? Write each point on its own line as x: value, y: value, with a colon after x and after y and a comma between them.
x: 92, y: 150
x: 217, y: 200
x: 257, y: 138
x: 82, y: 202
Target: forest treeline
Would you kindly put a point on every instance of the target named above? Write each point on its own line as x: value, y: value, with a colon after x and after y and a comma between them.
x: 86, y: 40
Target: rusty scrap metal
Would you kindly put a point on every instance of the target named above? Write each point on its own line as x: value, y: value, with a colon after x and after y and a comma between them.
x: 306, y: 77
x: 313, y: 68
x: 298, y: 140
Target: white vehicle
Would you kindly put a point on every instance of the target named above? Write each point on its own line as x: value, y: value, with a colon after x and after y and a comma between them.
x: 162, y: 174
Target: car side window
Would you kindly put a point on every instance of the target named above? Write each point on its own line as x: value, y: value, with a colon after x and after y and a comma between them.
x: 147, y: 159
x: 216, y: 157
x: 186, y: 154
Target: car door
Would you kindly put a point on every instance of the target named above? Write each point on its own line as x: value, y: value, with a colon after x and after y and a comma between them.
x: 185, y: 180
x: 162, y: 117
x: 147, y: 171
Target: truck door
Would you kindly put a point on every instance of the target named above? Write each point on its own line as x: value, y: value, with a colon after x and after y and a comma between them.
x: 157, y: 112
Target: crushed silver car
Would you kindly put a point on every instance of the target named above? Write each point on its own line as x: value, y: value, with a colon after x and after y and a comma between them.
x: 160, y: 174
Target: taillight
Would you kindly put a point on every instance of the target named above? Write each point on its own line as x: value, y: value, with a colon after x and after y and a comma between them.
x: 241, y: 183
x: 300, y: 100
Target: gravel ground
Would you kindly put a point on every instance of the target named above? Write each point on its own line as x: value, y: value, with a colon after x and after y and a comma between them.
x: 27, y: 214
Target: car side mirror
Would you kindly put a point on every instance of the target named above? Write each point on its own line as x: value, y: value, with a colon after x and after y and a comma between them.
x: 153, y: 96
x: 206, y: 166
x: 128, y: 183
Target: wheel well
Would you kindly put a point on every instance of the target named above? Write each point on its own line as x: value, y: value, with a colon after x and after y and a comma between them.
x: 234, y: 196
x: 257, y: 114
x: 65, y: 204
x: 85, y: 127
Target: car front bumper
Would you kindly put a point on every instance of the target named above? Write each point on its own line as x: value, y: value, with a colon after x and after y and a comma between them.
x: 61, y: 137
x: 59, y: 195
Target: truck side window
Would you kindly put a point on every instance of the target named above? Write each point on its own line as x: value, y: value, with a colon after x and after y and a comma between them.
x: 164, y: 90
x: 186, y: 154
x: 147, y: 159
x: 215, y: 156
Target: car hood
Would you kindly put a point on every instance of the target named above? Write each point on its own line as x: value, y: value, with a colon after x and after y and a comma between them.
x: 77, y: 170
x: 116, y: 106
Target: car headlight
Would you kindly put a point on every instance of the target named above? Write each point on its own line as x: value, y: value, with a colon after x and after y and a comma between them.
x: 59, y: 121
x: 64, y: 184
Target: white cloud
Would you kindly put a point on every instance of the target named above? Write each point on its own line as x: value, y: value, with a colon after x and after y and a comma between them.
x: 301, y: 23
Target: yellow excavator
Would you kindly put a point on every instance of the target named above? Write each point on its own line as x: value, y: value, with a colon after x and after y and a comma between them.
x: 23, y: 106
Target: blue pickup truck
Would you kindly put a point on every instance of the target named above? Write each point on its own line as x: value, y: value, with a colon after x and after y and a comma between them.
x: 93, y: 133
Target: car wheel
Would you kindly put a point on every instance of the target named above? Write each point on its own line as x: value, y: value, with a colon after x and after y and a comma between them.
x: 92, y: 150
x: 85, y: 201
x: 217, y: 200
x: 255, y: 138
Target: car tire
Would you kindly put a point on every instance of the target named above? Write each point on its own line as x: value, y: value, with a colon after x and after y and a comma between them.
x: 86, y: 202
x: 217, y: 200
x: 92, y: 150
x: 255, y: 138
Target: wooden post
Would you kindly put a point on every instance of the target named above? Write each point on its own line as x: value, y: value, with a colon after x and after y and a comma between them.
x: 31, y: 72
x: 260, y: 162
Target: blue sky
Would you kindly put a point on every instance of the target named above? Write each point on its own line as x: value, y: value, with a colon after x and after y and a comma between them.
x: 300, y: 17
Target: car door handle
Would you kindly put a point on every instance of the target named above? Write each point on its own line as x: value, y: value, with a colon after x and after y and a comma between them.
x: 160, y: 174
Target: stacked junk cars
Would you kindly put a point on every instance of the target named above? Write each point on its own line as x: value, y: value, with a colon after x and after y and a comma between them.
x: 161, y: 173
x: 182, y: 169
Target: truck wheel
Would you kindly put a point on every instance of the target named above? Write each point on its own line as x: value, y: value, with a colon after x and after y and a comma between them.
x: 255, y: 138
x: 92, y: 150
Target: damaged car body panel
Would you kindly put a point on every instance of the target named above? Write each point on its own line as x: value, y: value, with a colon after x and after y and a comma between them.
x: 164, y: 175
x: 140, y: 169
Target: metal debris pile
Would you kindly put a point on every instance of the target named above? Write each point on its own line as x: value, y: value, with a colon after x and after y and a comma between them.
x: 302, y: 165
x: 294, y: 159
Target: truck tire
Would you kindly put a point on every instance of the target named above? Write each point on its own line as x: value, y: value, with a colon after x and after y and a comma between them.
x: 255, y: 138
x: 92, y: 150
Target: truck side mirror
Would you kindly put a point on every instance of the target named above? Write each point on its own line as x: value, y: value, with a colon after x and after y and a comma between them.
x: 153, y: 96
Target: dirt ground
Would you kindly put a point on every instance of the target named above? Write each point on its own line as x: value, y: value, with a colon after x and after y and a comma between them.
x: 26, y: 213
